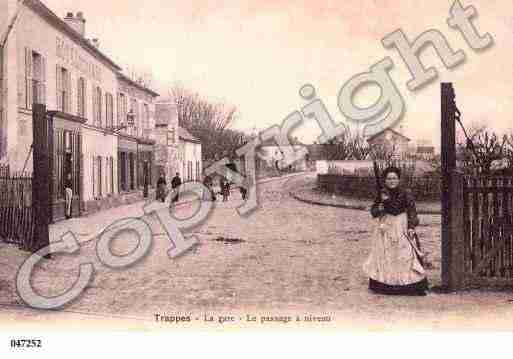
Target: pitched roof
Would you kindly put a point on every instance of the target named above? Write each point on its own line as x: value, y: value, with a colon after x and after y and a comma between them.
x: 383, y: 131
x: 59, y: 23
x: 183, y: 134
x: 136, y: 85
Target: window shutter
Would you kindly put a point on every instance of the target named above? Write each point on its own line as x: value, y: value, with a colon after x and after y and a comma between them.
x: 79, y: 97
x: 112, y: 109
x: 94, y: 176
x: 107, y: 124
x: 112, y: 175
x: 94, y: 114
x: 100, y: 175
x: 84, y: 102
x: 28, y: 78
x: 100, y: 108
x: 42, y: 86
x: 118, y: 109
x: 69, y: 90
x: 58, y: 78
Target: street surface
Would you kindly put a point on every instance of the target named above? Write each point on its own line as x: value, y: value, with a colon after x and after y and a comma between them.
x: 292, y: 258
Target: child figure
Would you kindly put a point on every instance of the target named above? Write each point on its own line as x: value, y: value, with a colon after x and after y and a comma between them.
x: 226, y: 191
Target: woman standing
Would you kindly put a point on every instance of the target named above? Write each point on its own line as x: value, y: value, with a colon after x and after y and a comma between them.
x: 394, y: 264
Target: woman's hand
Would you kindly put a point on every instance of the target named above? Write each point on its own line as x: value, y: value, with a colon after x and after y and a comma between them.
x: 384, y: 196
x: 411, y: 232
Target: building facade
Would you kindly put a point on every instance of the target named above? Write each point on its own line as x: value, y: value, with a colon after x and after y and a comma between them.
x: 135, y: 148
x: 48, y: 60
x: 166, y: 138
x: 191, y: 167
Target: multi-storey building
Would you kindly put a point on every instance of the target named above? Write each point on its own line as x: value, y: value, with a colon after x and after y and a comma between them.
x: 48, y: 60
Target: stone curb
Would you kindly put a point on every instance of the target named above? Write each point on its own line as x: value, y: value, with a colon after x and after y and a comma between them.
x: 348, y: 206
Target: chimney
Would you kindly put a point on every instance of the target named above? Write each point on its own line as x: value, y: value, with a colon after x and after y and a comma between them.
x: 77, y: 22
x: 95, y: 42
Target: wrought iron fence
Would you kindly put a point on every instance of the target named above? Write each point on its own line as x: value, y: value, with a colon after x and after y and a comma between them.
x: 17, y: 219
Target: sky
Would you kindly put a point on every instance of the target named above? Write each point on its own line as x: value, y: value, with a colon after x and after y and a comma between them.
x: 257, y: 54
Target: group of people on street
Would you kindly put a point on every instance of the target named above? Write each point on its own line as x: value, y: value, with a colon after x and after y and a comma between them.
x: 162, y: 192
x: 176, y: 182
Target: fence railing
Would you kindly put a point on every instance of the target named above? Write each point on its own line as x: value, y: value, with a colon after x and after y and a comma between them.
x: 17, y: 218
x: 4, y: 170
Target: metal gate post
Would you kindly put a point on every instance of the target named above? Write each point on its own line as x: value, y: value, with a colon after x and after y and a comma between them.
x: 451, y: 196
x: 41, y: 184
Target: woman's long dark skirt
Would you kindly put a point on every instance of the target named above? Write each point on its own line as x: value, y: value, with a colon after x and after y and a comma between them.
x: 418, y: 288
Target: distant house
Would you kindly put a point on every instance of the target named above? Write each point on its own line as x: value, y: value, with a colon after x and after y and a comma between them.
x: 390, y: 139
x: 271, y: 154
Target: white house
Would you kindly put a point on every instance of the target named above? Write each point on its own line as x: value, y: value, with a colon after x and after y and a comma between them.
x: 189, y: 156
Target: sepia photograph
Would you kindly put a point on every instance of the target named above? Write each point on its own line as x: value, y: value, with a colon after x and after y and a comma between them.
x: 237, y: 166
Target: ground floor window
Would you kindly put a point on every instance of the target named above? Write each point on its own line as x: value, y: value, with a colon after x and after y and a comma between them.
x: 66, y: 161
x: 127, y: 171
x: 189, y: 170
x: 144, y: 168
x: 131, y: 163
x: 123, y: 173
x: 97, y: 177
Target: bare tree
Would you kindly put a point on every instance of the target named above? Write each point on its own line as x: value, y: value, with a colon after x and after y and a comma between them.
x: 208, y: 121
x: 482, y: 150
x: 360, y: 148
x: 338, y: 148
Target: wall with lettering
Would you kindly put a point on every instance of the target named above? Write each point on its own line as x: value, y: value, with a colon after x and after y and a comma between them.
x: 36, y: 34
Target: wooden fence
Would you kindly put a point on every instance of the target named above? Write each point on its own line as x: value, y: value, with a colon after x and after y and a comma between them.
x: 487, y: 230
x: 17, y: 219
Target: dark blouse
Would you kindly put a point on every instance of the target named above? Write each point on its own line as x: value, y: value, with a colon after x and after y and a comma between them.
x: 399, y: 201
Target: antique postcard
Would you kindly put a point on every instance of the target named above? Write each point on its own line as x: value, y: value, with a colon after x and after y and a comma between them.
x: 255, y: 165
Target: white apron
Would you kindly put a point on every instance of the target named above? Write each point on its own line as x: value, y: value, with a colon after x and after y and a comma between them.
x: 392, y: 259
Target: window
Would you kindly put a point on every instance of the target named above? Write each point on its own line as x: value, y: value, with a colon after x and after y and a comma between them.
x: 97, y: 177
x: 63, y: 89
x: 100, y: 182
x: 109, y: 110
x: 171, y: 137
x: 81, y: 97
x: 135, y: 110
x: 146, y: 120
x: 123, y: 171
x: 111, y: 160
x: 121, y: 108
x: 35, y: 79
x: 189, y: 170
x: 97, y: 106
x: 132, y: 170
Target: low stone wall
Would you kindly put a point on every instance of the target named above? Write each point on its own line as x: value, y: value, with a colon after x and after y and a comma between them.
x: 423, y: 188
